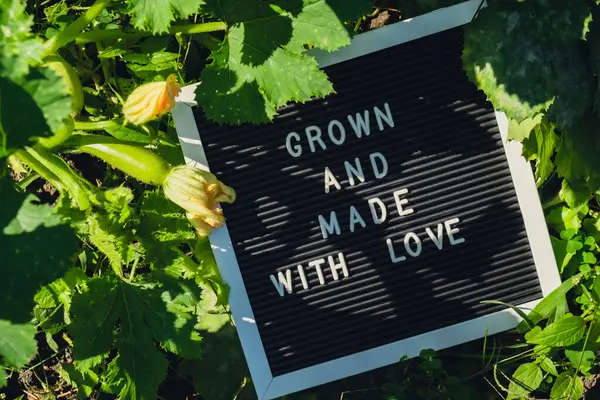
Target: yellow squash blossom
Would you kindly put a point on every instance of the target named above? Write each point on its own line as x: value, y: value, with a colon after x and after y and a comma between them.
x: 151, y: 100
x: 199, y: 193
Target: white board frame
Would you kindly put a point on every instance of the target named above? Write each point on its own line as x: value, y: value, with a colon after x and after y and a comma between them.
x: 269, y: 387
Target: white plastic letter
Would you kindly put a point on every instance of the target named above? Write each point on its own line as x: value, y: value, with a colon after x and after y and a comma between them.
x: 302, y: 276
x: 355, y: 218
x: 284, y: 282
x: 341, y: 265
x: 384, y: 165
x: 400, y: 202
x: 330, y: 180
x: 361, y: 124
x: 313, y: 134
x: 408, y: 247
x: 376, y: 219
x: 393, y: 256
x: 331, y: 227
x: 317, y: 265
x: 341, y: 130
x: 353, y: 171
x: 439, y: 239
x: 296, y: 149
x: 450, y: 231
x: 380, y: 116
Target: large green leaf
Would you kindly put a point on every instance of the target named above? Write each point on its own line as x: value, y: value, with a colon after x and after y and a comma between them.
x: 17, y: 345
x: 545, y: 308
x: 157, y: 15
x: 222, y: 369
x: 564, y: 332
x: 577, y: 154
x: 256, y: 69
x: 540, y: 147
x: 524, y: 56
x: 36, y: 249
x: 18, y: 46
x: 144, y: 314
x: 525, y: 380
x: 567, y: 387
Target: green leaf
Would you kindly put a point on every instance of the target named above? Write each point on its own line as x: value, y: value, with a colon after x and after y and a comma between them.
x: 593, y: 38
x: 163, y: 221
x: 550, y: 71
x: 256, y: 68
x: 567, y: 387
x: 35, y: 250
x: 526, y: 379
x: 545, y: 308
x: 112, y: 239
x: 516, y: 309
x: 55, y: 11
x: 560, y: 252
x: 53, y: 296
x: 573, y: 246
x: 208, y: 273
x: 564, y: 332
x: 18, y: 46
x: 157, y: 15
x: 222, y: 370
x: 17, y: 343
x: 576, y: 156
x: 520, y: 131
x: 562, y: 218
x: 33, y: 106
x: 84, y: 381
x: 584, y: 359
x: 145, y: 314
x: 540, y: 147
x: 547, y: 365
x: 576, y: 194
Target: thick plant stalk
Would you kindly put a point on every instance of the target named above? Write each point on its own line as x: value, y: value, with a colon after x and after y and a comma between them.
x: 114, y: 34
x: 74, y: 29
x: 26, y: 158
x: 68, y: 180
x: 99, y: 125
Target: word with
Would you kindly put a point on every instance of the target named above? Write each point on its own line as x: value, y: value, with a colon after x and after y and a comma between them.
x: 355, y: 171
x: 284, y: 281
x: 379, y: 214
x: 414, y: 247
x: 337, y: 132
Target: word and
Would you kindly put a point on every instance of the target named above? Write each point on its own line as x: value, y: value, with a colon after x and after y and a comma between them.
x: 355, y: 173
x: 284, y: 281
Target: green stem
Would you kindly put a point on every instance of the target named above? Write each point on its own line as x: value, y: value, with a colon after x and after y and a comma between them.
x: 74, y: 183
x: 25, y: 157
x: 114, y: 34
x: 75, y: 28
x: 98, y: 125
x: 81, y: 139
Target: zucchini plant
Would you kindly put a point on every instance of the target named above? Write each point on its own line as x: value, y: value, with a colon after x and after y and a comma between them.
x: 103, y: 228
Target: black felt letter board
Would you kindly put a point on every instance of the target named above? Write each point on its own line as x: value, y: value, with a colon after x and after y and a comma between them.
x: 445, y: 149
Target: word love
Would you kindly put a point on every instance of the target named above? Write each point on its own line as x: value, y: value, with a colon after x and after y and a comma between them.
x: 413, y: 245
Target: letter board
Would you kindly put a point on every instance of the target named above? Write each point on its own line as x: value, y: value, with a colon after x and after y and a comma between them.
x: 373, y: 223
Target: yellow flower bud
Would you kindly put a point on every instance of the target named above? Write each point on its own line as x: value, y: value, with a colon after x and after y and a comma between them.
x: 151, y: 100
x: 199, y: 193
